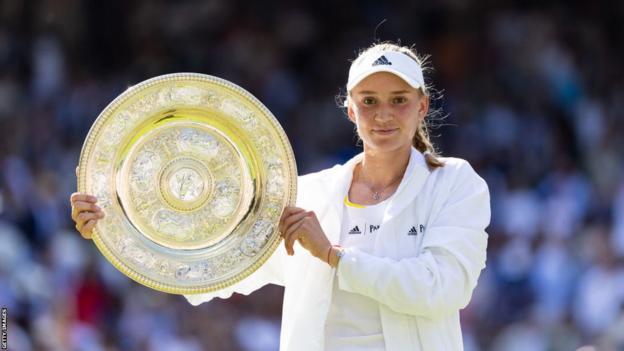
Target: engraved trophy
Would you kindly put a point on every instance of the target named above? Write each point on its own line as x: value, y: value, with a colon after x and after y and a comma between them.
x: 192, y: 173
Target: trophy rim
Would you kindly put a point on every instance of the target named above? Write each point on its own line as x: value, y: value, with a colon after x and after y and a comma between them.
x: 291, y: 178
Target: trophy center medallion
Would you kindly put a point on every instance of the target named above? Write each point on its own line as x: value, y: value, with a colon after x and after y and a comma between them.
x: 185, y: 184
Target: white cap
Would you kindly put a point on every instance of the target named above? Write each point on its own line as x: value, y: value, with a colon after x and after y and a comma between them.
x: 393, y: 62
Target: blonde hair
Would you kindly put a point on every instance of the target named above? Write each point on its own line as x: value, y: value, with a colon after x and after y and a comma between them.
x: 421, y: 140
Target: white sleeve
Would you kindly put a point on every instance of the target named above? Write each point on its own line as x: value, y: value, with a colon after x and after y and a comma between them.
x: 270, y: 272
x: 441, y: 279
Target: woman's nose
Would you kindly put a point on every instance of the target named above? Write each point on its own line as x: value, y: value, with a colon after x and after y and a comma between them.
x: 384, y: 113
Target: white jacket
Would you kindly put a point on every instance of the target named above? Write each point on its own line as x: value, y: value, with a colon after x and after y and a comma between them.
x: 420, y: 281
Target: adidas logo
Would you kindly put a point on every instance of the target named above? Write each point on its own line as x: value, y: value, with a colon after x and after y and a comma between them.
x: 414, y: 231
x: 355, y: 230
x: 382, y: 61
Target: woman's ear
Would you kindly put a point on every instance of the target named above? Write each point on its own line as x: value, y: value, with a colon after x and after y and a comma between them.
x: 350, y: 112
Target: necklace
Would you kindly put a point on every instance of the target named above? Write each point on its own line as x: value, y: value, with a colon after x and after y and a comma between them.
x: 376, y: 194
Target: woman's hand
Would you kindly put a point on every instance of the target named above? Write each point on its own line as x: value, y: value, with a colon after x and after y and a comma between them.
x: 85, y: 213
x: 299, y: 224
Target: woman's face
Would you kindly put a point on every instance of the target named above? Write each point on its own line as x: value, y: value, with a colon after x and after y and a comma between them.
x: 387, y: 111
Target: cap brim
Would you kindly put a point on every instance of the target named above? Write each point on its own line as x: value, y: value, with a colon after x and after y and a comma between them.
x: 414, y: 84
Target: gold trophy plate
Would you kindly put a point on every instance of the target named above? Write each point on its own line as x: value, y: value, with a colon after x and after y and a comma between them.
x: 192, y: 173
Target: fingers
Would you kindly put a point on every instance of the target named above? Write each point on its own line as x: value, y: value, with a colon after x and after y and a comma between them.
x: 85, y: 213
x: 292, y: 209
x: 287, y: 212
x: 83, y: 202
x: 83, y: 206
x: 83, y: 217
x: 292, y: 226
x: 87, y: 229
x: 291, y: 235
x: 86, y: 221
x: 292, y: 218
x: 289, y: 243
x: 290, y: 222
x: 82, y: 197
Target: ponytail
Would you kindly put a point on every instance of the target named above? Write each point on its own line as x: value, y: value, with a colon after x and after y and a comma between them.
x: 422, y: 143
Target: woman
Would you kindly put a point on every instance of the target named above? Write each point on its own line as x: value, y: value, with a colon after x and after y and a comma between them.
x: 383, y: 251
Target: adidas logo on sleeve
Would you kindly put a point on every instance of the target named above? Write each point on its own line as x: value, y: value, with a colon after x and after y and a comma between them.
x: 382, y: 61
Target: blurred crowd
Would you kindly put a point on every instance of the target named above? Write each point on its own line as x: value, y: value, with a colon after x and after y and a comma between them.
x: 531, y: 95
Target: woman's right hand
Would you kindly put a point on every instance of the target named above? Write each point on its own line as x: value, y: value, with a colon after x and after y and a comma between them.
x: 85, y: 213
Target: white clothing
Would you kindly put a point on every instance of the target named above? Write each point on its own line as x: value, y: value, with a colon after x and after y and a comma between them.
x: 420, y: 281
x: 360, y: 226
x: 353, y: 320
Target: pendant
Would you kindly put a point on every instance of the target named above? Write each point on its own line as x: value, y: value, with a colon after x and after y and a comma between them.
x: 376, y: 196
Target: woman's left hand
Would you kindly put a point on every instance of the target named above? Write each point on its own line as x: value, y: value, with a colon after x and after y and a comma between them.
x: 299, y: 224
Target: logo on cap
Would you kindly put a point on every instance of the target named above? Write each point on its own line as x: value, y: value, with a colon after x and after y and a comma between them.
x: 382, y: 61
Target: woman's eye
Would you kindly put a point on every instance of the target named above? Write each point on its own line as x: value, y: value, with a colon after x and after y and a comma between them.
x: 368, y: 101
x: 399, y: 100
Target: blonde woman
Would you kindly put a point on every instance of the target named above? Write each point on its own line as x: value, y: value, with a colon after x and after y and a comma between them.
x: 383, y: 251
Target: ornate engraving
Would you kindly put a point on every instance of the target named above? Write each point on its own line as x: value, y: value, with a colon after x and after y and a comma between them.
x: 185, y: 184
x: 192, y: 173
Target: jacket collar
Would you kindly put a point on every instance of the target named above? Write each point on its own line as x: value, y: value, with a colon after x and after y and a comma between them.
x: 413, y: 180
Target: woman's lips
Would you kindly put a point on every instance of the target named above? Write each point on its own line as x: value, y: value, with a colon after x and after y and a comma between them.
x: 385, y: 131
